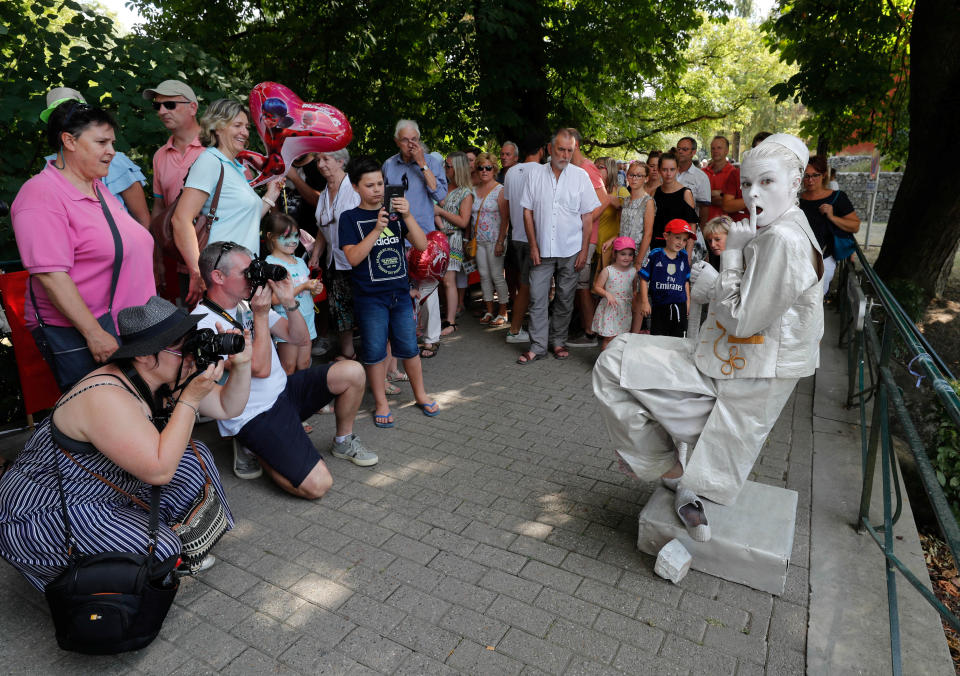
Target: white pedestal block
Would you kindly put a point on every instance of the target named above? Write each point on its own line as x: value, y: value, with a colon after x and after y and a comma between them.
x: 751, y: 540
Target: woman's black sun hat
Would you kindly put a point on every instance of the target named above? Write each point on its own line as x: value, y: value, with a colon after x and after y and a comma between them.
x: 147, y: 329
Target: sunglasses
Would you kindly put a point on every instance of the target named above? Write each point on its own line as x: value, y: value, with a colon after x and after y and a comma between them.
x: 224, y: 248
x: 485, y: 168
x: 169, y: 105
x: 77, y: 108
x: 173, y: 352
x: 447, y: 165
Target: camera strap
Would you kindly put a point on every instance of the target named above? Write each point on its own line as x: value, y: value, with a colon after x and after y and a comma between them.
x: 219, y: 311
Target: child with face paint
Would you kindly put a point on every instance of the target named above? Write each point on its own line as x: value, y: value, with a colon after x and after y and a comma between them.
x: 283, y: 237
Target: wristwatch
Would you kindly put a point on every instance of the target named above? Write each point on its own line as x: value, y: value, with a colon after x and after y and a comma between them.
x: 295, y: 306
x: 423, y: 168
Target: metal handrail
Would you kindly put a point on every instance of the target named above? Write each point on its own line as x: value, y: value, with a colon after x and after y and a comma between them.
x: 870, y: 355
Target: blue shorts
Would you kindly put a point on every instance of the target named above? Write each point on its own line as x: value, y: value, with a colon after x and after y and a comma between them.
x: 277, y: 436
x: 389, y: 315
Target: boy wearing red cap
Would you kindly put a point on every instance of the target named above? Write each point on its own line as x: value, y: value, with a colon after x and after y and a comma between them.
x: 665, y: 282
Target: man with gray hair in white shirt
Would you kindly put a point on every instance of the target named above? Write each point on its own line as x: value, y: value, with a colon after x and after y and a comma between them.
x: 557, y: 201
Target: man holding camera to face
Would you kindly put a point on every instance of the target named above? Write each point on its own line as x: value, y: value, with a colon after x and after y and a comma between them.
x: 270, y: 425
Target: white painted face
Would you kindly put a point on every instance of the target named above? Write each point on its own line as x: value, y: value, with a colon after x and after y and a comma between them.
x: 768, y: 188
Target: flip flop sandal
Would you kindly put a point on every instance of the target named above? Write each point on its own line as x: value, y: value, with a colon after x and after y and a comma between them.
x: 523, y: 359
x: 696, y: 522
x: 390, y: 389
x: 424, y: 407
x: 307, y: 427
x: 431, y: 348
x: 560, y: 353
x: 383, y: 420
x: 398, y: 377
x: 487, y: 316
x: 499, y: 320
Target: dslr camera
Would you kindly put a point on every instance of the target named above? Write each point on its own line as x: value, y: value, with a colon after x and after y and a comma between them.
x: 260, y: 271
x: 391, y: 191
x: 206, y: 346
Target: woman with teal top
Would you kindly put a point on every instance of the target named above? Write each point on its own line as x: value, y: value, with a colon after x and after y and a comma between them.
x: 224, y: 129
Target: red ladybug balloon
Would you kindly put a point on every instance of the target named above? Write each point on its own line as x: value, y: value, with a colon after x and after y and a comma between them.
x: 431, y: 263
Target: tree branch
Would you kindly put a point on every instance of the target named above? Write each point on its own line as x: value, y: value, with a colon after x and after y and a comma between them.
x: 632, y: 141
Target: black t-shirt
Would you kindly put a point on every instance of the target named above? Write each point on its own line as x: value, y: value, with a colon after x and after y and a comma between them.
x: 385, y: 268
x: 822, y: 228
x: 670, y: 205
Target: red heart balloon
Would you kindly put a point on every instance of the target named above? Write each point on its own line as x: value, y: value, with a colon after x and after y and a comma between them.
x: 289, y: 129
x: 431, y: 263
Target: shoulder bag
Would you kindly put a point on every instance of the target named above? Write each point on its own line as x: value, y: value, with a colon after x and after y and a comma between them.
x: 63, y: 347
x: 844, y: 243
x: 161, y: 225
x: 111, y: 602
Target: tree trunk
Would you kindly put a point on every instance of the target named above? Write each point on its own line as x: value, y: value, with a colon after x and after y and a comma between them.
x: 924, y: 226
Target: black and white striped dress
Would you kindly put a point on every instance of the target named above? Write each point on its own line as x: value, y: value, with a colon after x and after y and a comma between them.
x: 102, y: 519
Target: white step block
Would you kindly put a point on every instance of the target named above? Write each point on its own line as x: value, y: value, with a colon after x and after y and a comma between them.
x: 751, y: 540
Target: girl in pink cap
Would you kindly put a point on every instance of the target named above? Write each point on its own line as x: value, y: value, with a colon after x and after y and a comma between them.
x: 616, y: 285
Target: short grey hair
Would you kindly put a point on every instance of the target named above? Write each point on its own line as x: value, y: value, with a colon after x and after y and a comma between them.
x: 210, y: 254
x: 342, y: 156
x: 516, y: 148
x: 217, y: 116
x: 403, y: 124
x: 566, y: 131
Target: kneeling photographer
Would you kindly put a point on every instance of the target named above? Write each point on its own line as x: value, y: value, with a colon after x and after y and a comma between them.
x: 116, y: 443
x: 240, y: 290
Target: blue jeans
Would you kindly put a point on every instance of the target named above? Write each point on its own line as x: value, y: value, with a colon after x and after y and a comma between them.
x: 389, y: 315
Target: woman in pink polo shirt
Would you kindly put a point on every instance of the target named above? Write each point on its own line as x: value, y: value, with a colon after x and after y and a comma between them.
x: 62, y: 222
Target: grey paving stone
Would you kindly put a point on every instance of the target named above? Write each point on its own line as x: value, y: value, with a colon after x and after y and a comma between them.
x: 371, y: 556
x: 494, y: 557
x: 373, y: 650
x: 471, y: 658
x: 547, y: 656
x: 306, y: 657
x: 368, y: 612
x: 639, y: 633
x: 527, y: 527
x: 450, y: 564
x: 782, y: 661
x: 265, y: 633
x: 449, y: 542
x: 409, y: 572
x: 321, y: 591
x: 491, y: 536
x: 325, y: 628
x: 701, y: 584
x: 535, y: 549
x: 252, y: 661
x: 583, y: 641
x: 607, y: 596
x: 403, y: 524
x: 519, y: 614
x: 581, y: 666
x: 759, y: 604
x: 418, y: 603
x: 788, y: 626
x: 160, y: 657
x: 229, y: 579
x: 277, y: 571
x: 481, y: 628
x: 714, y: 612
x: 563, y: 605
x: 464, y: 594
x: 632, y: 660
x: 578, y: 543
x: 322, y: 562
x: 589, y: 567
x: 417, y: 664
x: 441, y: 518
x: 511, y: 585
x: 425, y: 637
x: 270, y: 599
x: 797, y: 589
x: 217, y: 647
x: 551, y: 576
x: 411, y: 549
x: 751, y: 647
x: 699, y: 658
x: 377, y: 585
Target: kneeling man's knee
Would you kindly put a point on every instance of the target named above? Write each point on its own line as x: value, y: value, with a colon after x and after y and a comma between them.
x: 317, y: 483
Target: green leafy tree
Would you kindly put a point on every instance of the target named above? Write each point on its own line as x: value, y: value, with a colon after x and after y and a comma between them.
x: 51, y: 43
x: 858, y: 62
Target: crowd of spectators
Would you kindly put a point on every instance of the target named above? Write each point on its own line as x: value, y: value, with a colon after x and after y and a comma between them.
x: 548, y: 232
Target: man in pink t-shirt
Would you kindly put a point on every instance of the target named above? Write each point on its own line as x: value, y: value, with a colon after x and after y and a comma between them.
x: 720, y: 172
x: 176, y: 106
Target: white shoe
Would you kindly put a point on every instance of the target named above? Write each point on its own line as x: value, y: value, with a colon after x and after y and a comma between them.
x: 245, y: 463
x: 521, y: 336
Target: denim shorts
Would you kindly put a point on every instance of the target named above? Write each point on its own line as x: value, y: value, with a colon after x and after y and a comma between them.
x: 379, y: 317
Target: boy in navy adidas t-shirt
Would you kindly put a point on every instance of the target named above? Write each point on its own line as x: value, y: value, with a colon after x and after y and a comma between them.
x: 665, y: 282
x: 372, y: 240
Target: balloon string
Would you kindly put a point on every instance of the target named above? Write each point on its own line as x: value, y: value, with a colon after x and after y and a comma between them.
x: 285, y: 210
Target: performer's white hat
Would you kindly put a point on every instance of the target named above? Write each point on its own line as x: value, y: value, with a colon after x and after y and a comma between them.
x: 791, y: 143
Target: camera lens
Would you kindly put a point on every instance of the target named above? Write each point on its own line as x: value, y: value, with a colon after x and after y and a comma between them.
x: 277, y: 273
x: 229, y: 343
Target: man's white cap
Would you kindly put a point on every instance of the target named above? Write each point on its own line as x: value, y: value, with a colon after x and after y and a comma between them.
x: 791, y: 143
x: 171, y: 88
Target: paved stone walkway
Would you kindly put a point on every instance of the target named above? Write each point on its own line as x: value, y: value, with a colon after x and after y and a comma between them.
x: 497, y: 538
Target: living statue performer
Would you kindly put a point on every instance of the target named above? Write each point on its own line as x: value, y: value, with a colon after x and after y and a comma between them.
x: 721, y: 394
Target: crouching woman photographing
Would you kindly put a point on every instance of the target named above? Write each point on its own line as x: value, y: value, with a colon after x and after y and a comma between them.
x: 84, y: 483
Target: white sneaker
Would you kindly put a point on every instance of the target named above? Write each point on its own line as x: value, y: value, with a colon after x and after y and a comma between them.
x: 245, y: 463
x: 320, y: 347
x: 521, y: 336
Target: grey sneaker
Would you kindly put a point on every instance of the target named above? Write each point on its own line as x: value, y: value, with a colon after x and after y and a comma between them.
x: 583, y: 341
x: 206, y: 564
x: 245, y: 463
x: 351, y: 449
x: 320, y: 347
x: 520, y: 336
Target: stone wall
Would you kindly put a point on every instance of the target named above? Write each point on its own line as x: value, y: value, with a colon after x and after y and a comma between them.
x: 855, y: 185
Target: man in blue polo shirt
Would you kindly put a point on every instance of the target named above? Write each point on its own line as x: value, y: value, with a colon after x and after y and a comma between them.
x: 426, y: 185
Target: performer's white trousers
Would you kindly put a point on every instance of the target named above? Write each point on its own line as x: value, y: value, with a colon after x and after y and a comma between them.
x: 725, y: 422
